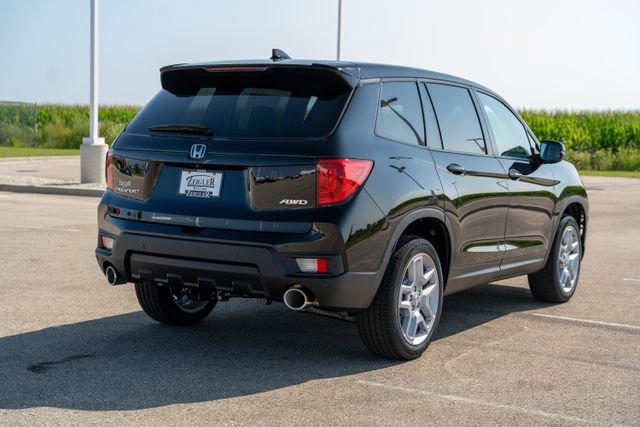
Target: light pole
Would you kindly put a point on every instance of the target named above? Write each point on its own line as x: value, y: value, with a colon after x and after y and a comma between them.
x: 93, y: 149
x: 339, y: 28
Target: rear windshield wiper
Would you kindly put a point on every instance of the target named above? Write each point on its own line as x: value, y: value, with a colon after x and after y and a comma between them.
x: 177, y: 128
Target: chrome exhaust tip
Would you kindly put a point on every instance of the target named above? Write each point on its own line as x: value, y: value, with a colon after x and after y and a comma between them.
x: 297, y: 299
x: 111, y: 275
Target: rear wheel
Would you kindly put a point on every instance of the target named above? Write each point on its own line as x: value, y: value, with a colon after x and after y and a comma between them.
x: 558, y: 280
x: 404, y: 315
x: 173, y: 305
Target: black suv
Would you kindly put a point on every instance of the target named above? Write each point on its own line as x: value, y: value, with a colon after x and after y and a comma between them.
x: 360, y: 191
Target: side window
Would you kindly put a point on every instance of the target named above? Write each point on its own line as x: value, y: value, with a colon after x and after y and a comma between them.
x: 400, y: 113
x: 509, y: 134
x: 458, y: 119
x: 431, y: 124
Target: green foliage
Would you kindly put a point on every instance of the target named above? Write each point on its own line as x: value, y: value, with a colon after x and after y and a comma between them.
x: 587, y: 130
x: 626, y: 159
x: 608, y: 140
x: 58, y: 126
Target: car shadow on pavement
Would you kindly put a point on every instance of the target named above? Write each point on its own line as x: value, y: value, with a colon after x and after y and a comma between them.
x: 128, y: 362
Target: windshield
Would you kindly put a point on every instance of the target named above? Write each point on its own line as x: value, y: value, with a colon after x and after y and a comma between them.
x: 278, y: 102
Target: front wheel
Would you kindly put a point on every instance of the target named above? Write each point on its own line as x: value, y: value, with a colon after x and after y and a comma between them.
x: 171, y: 305
x: 558, y: 280
x: 404, y: 315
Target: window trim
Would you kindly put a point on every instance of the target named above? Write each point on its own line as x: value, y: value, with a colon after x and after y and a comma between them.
x: 423, y: 85
x: 382, y: 81
x: 489, y: 151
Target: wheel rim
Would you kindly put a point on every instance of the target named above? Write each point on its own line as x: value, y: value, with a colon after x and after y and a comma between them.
x: 569, y: 259
x: 185, y: 302
x: 419, y: 299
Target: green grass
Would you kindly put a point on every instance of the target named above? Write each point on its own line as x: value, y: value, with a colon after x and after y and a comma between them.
x: 36, y: 152
x: 619, y: 174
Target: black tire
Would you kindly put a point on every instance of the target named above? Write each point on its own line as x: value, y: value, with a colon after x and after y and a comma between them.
x: 545, y: 284
x: 159, y: 304
x: 379, y: 325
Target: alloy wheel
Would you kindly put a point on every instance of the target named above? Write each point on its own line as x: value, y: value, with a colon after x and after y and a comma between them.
x: 419, y: 299
x: 569, y: 259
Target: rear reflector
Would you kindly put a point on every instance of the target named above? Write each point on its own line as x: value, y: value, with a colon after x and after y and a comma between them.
x: 338, y: 179
x: 313, y: 265
x: 106, y: 242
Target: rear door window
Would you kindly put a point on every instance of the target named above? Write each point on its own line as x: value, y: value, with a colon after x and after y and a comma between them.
x: 278, y: 102
x: 400, y: 113
x: 458, y: 119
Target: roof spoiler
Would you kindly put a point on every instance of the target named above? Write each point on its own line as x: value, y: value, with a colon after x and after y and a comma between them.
x: 349, y: 73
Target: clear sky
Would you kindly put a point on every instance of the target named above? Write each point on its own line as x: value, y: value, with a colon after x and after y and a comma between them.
x: 576, y: 54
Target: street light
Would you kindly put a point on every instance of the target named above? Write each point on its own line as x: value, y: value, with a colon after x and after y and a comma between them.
x: 339, y: 28
x: 93, y: 149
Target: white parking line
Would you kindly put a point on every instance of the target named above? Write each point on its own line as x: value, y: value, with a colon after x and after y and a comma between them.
x: 631, y: 279
x: 35, y: 227
x: 589, y: 322
x: 477, y: 402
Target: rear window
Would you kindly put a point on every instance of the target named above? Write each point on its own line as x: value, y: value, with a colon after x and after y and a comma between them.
x: 278, y: 102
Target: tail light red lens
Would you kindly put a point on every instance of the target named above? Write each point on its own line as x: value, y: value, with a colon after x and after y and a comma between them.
x: 313, y: 265
x: 108, y: 173
x: 338, y: 179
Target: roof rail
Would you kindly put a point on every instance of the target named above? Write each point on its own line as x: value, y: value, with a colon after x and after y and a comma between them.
x: 278, y: 55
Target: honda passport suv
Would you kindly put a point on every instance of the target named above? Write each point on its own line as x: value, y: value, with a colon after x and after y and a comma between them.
x: 360, y: 191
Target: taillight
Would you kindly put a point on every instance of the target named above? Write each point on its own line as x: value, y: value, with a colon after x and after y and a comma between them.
x: 313, y: 265
x: 108, y: 174
x: 338, y: 179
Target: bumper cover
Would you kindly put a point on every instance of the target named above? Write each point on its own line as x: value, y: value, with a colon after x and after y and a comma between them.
x: 241, y: 269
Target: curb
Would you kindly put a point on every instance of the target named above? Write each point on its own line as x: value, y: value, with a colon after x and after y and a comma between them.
x: 36, y: 158
x: 62, y: 191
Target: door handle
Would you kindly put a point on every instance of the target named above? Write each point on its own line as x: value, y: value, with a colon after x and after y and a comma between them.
x: 514, y: 174
x: 456, y: 169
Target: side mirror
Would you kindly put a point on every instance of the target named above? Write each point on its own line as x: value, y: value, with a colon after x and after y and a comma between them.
x: 551, y: 151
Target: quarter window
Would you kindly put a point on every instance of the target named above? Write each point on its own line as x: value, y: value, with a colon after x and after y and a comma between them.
x: 400, y: 113
x: 509, y: 134
x: 458, y: 119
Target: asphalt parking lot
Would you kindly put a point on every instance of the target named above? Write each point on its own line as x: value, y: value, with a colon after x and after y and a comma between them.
x: 75, y: 351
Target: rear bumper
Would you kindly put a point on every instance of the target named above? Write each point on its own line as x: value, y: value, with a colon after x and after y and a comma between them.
x: 258, y: 270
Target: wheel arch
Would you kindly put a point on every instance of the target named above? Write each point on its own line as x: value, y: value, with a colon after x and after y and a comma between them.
x: 578, y: 211
x: 576, y: 207
x: 429, y: 224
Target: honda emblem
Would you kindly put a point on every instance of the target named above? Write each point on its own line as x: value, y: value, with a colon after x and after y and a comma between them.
x: 197, y: 151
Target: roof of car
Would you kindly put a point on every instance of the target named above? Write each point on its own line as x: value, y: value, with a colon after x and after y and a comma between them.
x: 357, y: 70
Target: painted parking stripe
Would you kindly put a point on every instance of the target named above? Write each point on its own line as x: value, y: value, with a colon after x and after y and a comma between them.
x: 35, y: 227
x: 589, y: 322
x: 631, y: 279
x: 477, y: 402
